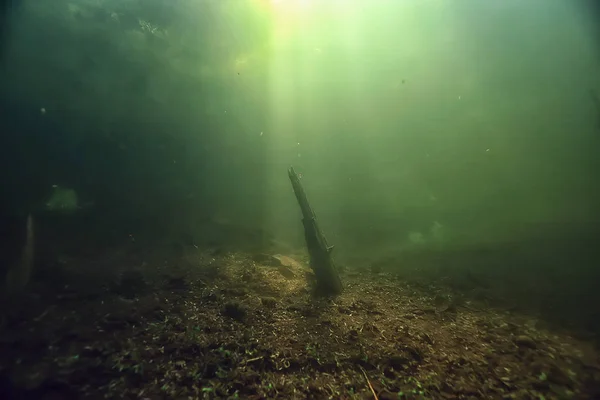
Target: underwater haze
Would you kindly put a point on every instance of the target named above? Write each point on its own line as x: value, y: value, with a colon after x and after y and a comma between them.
x: 450, y: 147
x: 399, y: 114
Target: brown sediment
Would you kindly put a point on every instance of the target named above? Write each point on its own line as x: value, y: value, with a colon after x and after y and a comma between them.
x: 229, y: 327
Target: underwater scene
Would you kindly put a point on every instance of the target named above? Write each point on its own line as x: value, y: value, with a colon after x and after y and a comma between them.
x: 299, y: 199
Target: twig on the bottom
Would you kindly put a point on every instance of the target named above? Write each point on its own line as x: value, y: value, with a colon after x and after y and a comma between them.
x: 252, y: 360
x: 42, y: 315
x: 369, y: 382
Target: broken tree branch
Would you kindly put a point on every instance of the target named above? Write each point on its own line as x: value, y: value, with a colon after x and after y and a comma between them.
x: 328, y: 279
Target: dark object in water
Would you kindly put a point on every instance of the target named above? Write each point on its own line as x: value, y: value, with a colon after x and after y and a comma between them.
x: 286, y: 272
x: 269, y: 302
x: 328, y: 279
x: 234, y: 310
x: 267, y: 259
